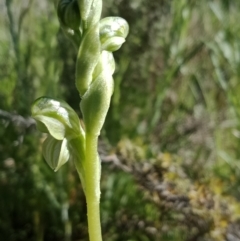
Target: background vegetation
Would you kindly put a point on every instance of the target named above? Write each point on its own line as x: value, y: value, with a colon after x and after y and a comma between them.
x: 170, y: 146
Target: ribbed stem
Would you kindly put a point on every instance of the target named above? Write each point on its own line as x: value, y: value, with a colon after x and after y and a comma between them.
x: 92, y: 182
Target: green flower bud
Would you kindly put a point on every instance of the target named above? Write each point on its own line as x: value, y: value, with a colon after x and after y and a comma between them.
x: 69, y: 14
x: 87, y: 59
x: 95, y: 102
x: 55, y: 152
x: 113, y: 31
x: 56, y: 118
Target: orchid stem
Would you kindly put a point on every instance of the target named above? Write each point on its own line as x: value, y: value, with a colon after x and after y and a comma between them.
x: 92, y: 181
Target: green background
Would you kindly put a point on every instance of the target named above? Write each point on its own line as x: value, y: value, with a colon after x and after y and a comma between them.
x: 171, y: 142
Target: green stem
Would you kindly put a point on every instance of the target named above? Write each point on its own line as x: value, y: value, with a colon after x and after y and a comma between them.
x: 92, y: 182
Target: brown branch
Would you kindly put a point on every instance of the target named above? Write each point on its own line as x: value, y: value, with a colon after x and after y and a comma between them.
x: 164, y: 194
x: 17, y: 120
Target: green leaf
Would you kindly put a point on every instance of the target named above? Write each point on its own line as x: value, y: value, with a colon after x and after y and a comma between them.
x: 105, y: 62
x: 113, y: 31
x: 94, y: 14
x: 56, y: 118
x: 90, y: 11
x: 55, y: 152
x: 87, y: 59
x: 95, y: 102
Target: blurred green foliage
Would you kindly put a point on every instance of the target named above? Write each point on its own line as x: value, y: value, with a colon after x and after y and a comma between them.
x: 171, y: 140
